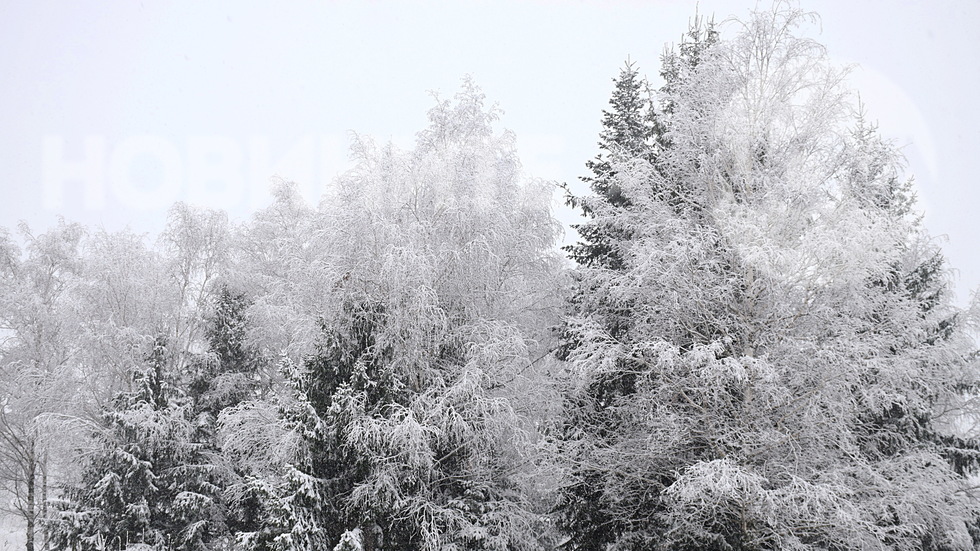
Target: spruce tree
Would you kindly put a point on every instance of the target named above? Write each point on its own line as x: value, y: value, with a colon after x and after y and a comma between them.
x: 627, y: 133
x: 222, y: 378
x: 147, y: 481
x: 633, y: 137
x: 226, y: 374
x: 309, y: 511
x: 788, y: 351
x: 634, y: 128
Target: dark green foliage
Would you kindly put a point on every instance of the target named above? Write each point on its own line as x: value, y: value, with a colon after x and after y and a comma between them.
x: 159, y: 476
x: 147, y: 481
x: 224, y: 377
x: 635, y: 433
x: 626, y: 134
x: 310, y: 511
x: 348, y: 358
x: 228, y: 374
x: 899, y: 427
x: 635, y: 128
x: 633, y: 131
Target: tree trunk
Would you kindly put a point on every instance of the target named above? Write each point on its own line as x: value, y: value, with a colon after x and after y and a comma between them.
x: 45, y: 530
x: 29, y: 506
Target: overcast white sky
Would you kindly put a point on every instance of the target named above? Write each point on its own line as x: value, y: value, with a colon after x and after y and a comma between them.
x: 234, y: 93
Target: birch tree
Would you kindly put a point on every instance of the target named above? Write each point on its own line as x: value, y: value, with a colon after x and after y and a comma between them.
x: 35, y: 366
x: 195, y: 245
x: 124, y: 300
x: 437, y: 289
x: 277, y: 259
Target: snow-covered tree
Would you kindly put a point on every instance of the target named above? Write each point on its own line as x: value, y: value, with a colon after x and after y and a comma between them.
x: 635, y: 129
x: 195, y: 246
x: 790, y: 347
x: 148, y: 481
x: 120, y: 311
x: 228, y: 372
x: 628, y: 132
x: 278, y: 260
x: 37, y: 318
x: 436, y: 282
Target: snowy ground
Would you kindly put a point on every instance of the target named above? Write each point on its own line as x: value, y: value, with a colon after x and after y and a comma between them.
x: 11, y: 535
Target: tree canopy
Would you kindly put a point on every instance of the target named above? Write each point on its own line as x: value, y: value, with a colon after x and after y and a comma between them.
x: 751, y: 346
x: 789, y: 360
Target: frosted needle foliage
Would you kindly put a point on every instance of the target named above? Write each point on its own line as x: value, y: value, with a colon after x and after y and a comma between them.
x: 773, y: 362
